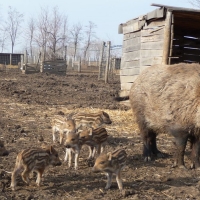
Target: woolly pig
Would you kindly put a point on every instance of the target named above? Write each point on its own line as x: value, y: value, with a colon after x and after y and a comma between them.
x: 166, y: 99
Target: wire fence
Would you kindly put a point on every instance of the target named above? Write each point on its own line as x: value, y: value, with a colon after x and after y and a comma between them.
x: 104, y: 60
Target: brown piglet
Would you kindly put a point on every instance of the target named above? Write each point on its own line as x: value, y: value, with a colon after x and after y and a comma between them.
x: 111, y: 163
x: 34, y: 159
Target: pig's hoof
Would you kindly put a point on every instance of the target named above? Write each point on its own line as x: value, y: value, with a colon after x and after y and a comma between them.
x: 107, y: 187
x: 146, y: 159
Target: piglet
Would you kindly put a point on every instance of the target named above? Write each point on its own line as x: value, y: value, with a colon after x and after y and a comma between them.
x: 111, y: 163
x: 73, y: 146
x: 34, y: 159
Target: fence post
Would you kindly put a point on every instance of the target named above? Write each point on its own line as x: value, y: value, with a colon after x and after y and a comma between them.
x: 21, y: 61
x: 42, y: 62
x: 101, y: 60
x: 10, y: 59
x: 79, y: 65
x: 65, y: 58
x: 107, y: 61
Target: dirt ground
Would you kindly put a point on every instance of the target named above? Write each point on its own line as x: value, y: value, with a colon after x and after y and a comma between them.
x: 27, y: 105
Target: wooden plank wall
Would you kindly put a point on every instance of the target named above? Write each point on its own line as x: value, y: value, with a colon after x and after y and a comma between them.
x: 152, y: 38
x: 130, y: 62
x: 141, y: 49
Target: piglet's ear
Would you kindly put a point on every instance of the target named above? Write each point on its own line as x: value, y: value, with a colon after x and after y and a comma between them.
x: 109, y: 156
x: 90, y: 131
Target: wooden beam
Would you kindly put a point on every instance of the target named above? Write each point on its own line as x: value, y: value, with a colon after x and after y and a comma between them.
x: 167, y: 38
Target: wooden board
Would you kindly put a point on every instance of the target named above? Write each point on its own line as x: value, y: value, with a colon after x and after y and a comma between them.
x: 150, y: 32
x: 130, y: 64
x: 131, y: 47
x: 133, y: 27
x: 151, y: 53
x: 152, y: 45
x: 127, y: 79
x: 191, y: 51
x: 157, y: 23
x: 129, y: 36
x: 130, y: 71
x: 131, y: 42
x: 195, y: 58
x: 152, y: 38
x: 150, y: 61
x: 135, y: 55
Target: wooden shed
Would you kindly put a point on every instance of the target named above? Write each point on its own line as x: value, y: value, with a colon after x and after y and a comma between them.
x: 167, y: 35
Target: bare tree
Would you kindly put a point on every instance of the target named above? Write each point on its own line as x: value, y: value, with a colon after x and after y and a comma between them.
x: 29, y: 35
x: 96, y: 49
x: 89, y: 35
x: 56, y: 35
x: 76, y: 36
x: 3, y: 38
x: 13, y: 25
x: 41, y: 36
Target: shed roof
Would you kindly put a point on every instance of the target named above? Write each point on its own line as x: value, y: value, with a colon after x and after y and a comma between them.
x: 172, y: 8
x: 183, y: 16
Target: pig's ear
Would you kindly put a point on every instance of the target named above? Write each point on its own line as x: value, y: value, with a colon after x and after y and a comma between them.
x: 109, y: 156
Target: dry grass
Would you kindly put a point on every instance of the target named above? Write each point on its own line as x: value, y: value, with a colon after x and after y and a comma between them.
x: 122, y: 121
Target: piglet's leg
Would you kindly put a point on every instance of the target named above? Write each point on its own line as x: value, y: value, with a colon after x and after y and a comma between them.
x: 98, y: 147
x: 61, y: 137
x: 16, y: 171
x: 39, y: 176
x: 119, y: 180
x: 69, y: 151
x: 66, y: 155
x: 109, y: 181
x: 53, y: 134
x: 91, y: 149
x: 25, y: 175
x: 76, y: 159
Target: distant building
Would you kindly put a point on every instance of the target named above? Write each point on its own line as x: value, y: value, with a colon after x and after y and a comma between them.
x: 10, y: 59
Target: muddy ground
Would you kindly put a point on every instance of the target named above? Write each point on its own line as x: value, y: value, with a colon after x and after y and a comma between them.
x: 27, y: 105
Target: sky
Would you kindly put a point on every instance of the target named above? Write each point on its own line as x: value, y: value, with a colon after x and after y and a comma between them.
x: 106, y: 14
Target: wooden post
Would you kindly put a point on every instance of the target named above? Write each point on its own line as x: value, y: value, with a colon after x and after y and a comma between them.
x: 26, y: 57
x: 107, y: 61
x: 89, y: 64
x: 167, y: 38
x: 79, y: 65
x: 172, y: 39
x: 42, y: 61
x: 65, y: 53
x: 101, y: 60
x: 10, y: 59
x: 21, y: 61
